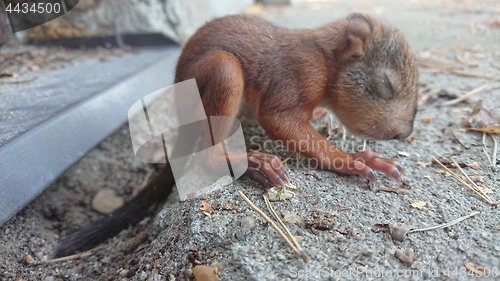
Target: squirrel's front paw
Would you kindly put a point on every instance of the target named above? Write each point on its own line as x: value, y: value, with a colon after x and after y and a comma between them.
x: 364, y: 163
x: 267, y: 170
x: 387, y: 166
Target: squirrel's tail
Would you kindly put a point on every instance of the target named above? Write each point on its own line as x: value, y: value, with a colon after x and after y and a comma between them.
x: 132, y: 212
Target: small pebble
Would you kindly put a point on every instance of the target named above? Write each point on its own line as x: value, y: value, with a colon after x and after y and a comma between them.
x: 29, y: 260
x: 367, y: 253
x: 449, y: 93
x: 205, y: 273
x: 240, y: 235
x: 106, y: 201
x: 409, y: 252
x: 247, y: 223
x: 123, y: 272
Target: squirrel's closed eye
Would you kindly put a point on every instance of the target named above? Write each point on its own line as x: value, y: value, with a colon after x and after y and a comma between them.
x: 389, y: 85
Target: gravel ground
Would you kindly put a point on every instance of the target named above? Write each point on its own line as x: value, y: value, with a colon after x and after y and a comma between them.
x: 333, y: 215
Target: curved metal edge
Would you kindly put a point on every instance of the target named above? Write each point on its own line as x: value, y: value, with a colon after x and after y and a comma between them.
x: 34, y: 160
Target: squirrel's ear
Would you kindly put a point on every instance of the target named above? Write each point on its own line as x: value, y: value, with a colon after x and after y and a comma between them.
x: 358, y: 30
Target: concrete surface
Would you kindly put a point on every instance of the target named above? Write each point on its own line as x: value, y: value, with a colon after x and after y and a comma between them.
x: 449, y: 34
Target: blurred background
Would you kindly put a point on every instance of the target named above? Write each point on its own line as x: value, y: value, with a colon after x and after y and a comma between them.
x: 422, y: 21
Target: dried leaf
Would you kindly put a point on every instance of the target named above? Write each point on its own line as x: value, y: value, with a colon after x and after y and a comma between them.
x: 207, y: 208
x: 473, y: 165
x: 481, y: 119
x: 228, y: 206
x: 398, y: 191
x: 193, y: 255
x: 380, y: 227
x: 419, y: 205
x: 397, y: 231
x: 29, y: 260
x: 405, y: 184
x: 422, y: 164
x: 476, y: 269
x: 314, y: 175
x: 489, y: 130
x: 277, y: 194
x: 439, y: 171
x: 320, y: 220
x: 485, y: 190
x: 342, y: 229
x: 290, y: 218
x: 466, y: 109
x: 426, y: 120
x: 339, y: 208
x: 495, y: 24
x: 205, y: 273
x: 478, y: 178
x: 255, y: 10
x: 131, y: 244
x: 403, y: 258
x: 403, y: 153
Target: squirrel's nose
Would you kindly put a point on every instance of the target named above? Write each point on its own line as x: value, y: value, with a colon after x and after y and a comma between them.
x: 395, y: 137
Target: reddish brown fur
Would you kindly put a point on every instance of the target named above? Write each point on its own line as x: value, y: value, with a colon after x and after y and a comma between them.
x: 287, y: 73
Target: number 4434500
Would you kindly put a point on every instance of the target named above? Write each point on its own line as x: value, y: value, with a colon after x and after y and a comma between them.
x: 35, y: 8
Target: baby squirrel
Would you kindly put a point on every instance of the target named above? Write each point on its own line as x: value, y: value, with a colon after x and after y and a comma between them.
x: 360, y: 68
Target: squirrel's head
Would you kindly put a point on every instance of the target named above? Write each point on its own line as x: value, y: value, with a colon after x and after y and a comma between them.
x: 376, y: 89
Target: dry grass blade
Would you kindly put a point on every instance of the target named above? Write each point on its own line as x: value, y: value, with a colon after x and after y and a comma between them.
x: 487, y: 156
x: 458, y: 139
x: 463, y: 182
x: 448, y: 224
x: 75, y: 256
x: 329, y: 126
x: 469, y: 179
x: 146, y: 178
x: 472, y: 74
x: 495, y: 149
x: 434, y: 62
x: 437, y: 69
x: 490, y: 130
x: 484, y: 150
x: 463, y: 60
x: 266, y: 218
x: 478, y: 90
x: 18, y: 82
x: 290, y: 154
x: 276, y: 217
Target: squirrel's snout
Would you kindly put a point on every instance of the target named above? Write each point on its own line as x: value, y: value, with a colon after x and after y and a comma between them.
x: 401, y: 132
x: 392, y: 131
